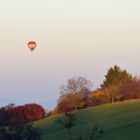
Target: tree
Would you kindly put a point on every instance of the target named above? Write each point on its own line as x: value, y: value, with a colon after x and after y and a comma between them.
x: 74, y: 94
x: 131, y: 89
x: 4, y: 116
x: 76, y: 85
x: 68, y: 122
x: 70, y: 102
x: 116, y: 76
x: 113, y: 94
x: 98, y: 97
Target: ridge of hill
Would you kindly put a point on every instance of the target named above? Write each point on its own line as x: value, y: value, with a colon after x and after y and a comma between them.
x: 119, y: 121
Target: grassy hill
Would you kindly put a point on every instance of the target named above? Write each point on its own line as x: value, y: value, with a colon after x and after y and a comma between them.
x: 120, y: 122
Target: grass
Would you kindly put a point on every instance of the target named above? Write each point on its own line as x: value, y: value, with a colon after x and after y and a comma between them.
x: 119, y: 121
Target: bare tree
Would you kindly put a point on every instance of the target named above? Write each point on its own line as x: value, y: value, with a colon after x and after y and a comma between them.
x: 76, y: 85
x: 74, y: 94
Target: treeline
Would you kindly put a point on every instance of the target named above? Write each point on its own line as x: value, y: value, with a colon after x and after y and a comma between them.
x: 76, y: 93
x: 119, y: 85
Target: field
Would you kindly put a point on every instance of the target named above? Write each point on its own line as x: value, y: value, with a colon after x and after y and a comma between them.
x: 119, y: 121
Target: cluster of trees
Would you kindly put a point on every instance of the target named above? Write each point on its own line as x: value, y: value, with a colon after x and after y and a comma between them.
x: 27, y: 112
x: 15, y: 122
x: 118, y: 85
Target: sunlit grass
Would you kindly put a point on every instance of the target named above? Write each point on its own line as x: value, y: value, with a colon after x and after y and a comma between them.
x: 119, y: 121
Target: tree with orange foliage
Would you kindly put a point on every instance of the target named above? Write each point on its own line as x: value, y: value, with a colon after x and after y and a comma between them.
x: 27, y: 113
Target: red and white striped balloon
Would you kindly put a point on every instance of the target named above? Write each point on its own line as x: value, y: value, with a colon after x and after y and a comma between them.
x: 32, y: 45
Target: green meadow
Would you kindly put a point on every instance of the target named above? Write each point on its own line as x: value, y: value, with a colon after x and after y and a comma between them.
x: 119, y: 121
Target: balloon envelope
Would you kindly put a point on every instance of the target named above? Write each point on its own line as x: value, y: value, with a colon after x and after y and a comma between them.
x: 32, y: 45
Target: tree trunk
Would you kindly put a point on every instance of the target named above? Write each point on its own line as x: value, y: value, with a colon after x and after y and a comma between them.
x: 69, y: 135
x: 76, y: 107
x: 112, y: 100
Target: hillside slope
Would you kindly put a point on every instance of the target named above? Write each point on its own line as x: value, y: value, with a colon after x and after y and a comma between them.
x: 120, y: 122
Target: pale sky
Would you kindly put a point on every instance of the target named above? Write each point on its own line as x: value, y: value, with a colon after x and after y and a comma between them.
x: 74, y: 37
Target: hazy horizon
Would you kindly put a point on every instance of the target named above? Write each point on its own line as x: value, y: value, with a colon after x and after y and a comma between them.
x: 74, y: 38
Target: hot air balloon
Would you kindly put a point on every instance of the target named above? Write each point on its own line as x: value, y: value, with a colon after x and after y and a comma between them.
x: 32, y: 45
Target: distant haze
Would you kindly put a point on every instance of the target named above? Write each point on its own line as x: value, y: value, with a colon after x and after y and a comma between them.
x: 74, y: 38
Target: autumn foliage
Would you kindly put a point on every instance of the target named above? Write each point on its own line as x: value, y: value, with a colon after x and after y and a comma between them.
x: 118, y: 85
x: 15, y: 122
x: 27, y: 113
